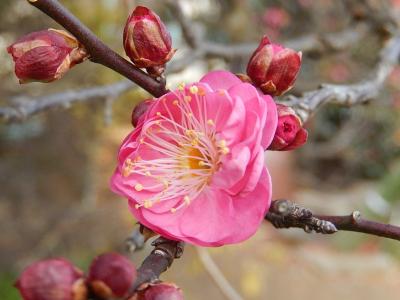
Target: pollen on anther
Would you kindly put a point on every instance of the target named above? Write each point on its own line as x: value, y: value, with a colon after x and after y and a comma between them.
x: 194, y: 89
x: 181, y: 86
x: 187, y: 200
x: 175, y: 102
x: 148, y: 204
x: 222, y: 143
x: 138, y: 187
x: 165, y: 183
x: 201, y: 163
x: 210, y: 122
x: 141, y: 141
x: 225, y: 150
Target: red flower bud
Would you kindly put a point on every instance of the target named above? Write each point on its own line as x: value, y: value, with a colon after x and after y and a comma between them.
x: 45, y: 55
x: 111, y: 275
x: 290, y: 133
x: 147, y: 41
x: 160, y: 291
x: 139, y: 110
x: 274, y: 68
x: 52, y: 279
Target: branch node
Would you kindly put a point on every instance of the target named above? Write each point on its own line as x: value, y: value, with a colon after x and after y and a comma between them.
x: 356, y: 215
x: 285, y: 214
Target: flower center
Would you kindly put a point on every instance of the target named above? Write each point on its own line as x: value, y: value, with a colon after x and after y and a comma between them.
x: 180, y: 157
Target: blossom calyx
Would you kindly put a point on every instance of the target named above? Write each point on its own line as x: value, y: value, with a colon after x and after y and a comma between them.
x: 273, y: 68
x: 159, y: 291
x: 147, y: 41
x: 52, y: 279
x: 111, y: 275
x: 139, y: 110
x: 290, y: 133
x: 45, y: 55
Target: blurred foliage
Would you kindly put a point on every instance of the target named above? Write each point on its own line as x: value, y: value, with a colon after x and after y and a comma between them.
x: 7, y: 290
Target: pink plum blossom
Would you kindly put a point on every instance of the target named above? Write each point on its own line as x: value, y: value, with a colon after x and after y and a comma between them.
x: 193, y: 168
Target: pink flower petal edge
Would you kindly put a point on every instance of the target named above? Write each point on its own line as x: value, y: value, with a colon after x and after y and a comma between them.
x: 193, y: 168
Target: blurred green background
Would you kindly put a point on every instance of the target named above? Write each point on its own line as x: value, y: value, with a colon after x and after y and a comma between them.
x: 55, y: 166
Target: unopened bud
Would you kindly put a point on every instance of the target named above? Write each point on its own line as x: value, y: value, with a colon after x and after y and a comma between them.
x: 52, y: 279
x: 290, y: 133
x: 46, y: 55
x: 139, y: 110
x: 147, y: 41
x: 111, y: 275
x: 274, y: 68
x: 159, y: 291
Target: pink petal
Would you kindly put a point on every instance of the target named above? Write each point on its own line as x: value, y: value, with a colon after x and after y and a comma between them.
x: 220, y: 80
x: 271, y: 122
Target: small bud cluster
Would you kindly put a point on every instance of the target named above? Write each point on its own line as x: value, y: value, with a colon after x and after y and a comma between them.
x: 274, y: 69
x: 110, y: 276
x: 47, y: 55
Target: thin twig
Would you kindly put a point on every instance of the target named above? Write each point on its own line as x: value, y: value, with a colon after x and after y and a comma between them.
x: 286, y: 214
x: 349, y: 95
x: 24, y: 107
x: 99, y: 52
x: 216, y: 274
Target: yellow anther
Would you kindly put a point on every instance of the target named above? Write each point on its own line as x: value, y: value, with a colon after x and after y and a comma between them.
x: 138, y: 187
x: 148, y: 204
x: 165, y: 183
x: 126, y: 171
x: 175, y: 102
x: 195, y: 142
x: 210, y: 122
x: 222, y: 143
x: 190, y: 115
x: 141, y: 141
x: 225, y: 150
x: 173, y: 210
x: 158, y: 114
x: 188, y: 98
x: 147, y: 173
x: 202, y: 92
x: 202, y: 163
x: 194, y: 89
x: 158, y: 122
x: 187, y: 200
x: 181, y: 86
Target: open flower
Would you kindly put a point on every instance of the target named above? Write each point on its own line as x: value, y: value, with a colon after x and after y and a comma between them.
x: 193, y: 168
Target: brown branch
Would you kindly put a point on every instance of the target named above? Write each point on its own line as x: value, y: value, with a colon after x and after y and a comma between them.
x: 158, y: 261
x: 286, y: 214
x: 99, y: 52
x: 349, y: 95
x: 23, y: 107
